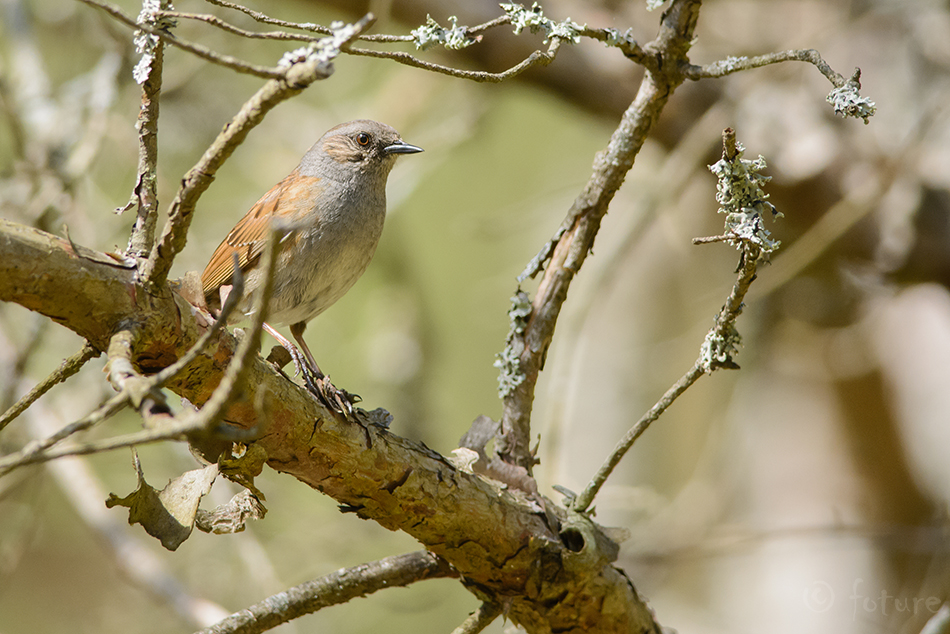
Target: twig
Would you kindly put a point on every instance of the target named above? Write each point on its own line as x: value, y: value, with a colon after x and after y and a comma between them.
x: 296, y: 78
x: 333, y: 589
x: 537, y: 58
x: 732, y: 65
x: 725, y: 321
x: 479, y: 619
x: 174, y: 430
x: 145, y: 192
x: 84, y: 491
x: 67, y: 368
x: 316, y: 28
x: 233, y: 379
x: 39, y: 450
x: 716, y: 351
x: 203, y: 52
x: 214, y: 20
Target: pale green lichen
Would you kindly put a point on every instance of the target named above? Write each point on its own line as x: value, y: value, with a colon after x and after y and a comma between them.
x: 146, y: 43
x: 728, y: 65
x: 655, y: 4
x: 616, y: 38
x: 742, y: 199
x: 508, y: 361
x: 322, y: 51
x: 719, y: 348
x: 535, y: 20
x: 433, y: 34
x: 849, y: 103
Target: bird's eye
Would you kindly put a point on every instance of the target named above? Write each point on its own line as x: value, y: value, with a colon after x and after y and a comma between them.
x: 363, y: 139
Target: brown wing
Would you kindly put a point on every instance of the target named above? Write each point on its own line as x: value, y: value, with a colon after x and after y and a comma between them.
x: 247, y: 239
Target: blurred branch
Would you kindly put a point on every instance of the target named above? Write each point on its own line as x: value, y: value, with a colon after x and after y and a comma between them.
x: 530, y: 336
x: 334, y: 589
x: 481, y: 618
x: 83, y: 490
x: 67, y: 368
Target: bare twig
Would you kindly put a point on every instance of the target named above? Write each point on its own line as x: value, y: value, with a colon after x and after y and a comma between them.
x: 732, y: 65
x: 479, y: 619
x: 537, y: 58
x: 39, y: 450
x: 333, y: 589
x: 215, y: 21
x: 316, y: 28
x: 195, y: 49
x: 584, y: 500
x: 67, y: 368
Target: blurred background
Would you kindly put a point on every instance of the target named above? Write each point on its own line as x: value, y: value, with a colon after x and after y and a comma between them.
x: 806, y: 492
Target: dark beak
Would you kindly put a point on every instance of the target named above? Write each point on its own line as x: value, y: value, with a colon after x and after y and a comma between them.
x: 400, y: 147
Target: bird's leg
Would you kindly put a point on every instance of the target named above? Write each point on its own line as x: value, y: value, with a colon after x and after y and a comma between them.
x: 317, y: 382
x: 300, y: 361
x: 312, y: 375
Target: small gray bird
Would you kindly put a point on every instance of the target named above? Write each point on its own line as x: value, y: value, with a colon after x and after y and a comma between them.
x: 335, y: 204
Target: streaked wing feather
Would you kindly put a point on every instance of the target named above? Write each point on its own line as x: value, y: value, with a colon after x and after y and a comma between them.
x: 247, y: 239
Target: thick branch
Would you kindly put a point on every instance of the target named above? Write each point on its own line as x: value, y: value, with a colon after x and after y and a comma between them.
x: 501, y: 541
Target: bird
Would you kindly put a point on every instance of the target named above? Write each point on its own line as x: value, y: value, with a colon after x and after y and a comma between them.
x: 332, y: 205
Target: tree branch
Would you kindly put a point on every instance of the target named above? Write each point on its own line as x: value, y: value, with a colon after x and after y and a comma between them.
x: 198, y: 50
x: 500, y: 539
x: 145, y: 192
x: 528, y: 343
x: 66, y: 369
x: 333, y: 589
x: 481, y: 618
x: 722, y: 339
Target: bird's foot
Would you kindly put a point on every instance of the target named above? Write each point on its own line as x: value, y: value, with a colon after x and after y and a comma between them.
x: 336, y: 399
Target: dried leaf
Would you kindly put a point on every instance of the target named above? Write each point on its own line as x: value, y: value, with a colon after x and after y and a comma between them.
x: 169, y: 514
x: 233, y: 516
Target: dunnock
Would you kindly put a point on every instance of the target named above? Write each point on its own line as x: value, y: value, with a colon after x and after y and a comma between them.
x: 334, y: 203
